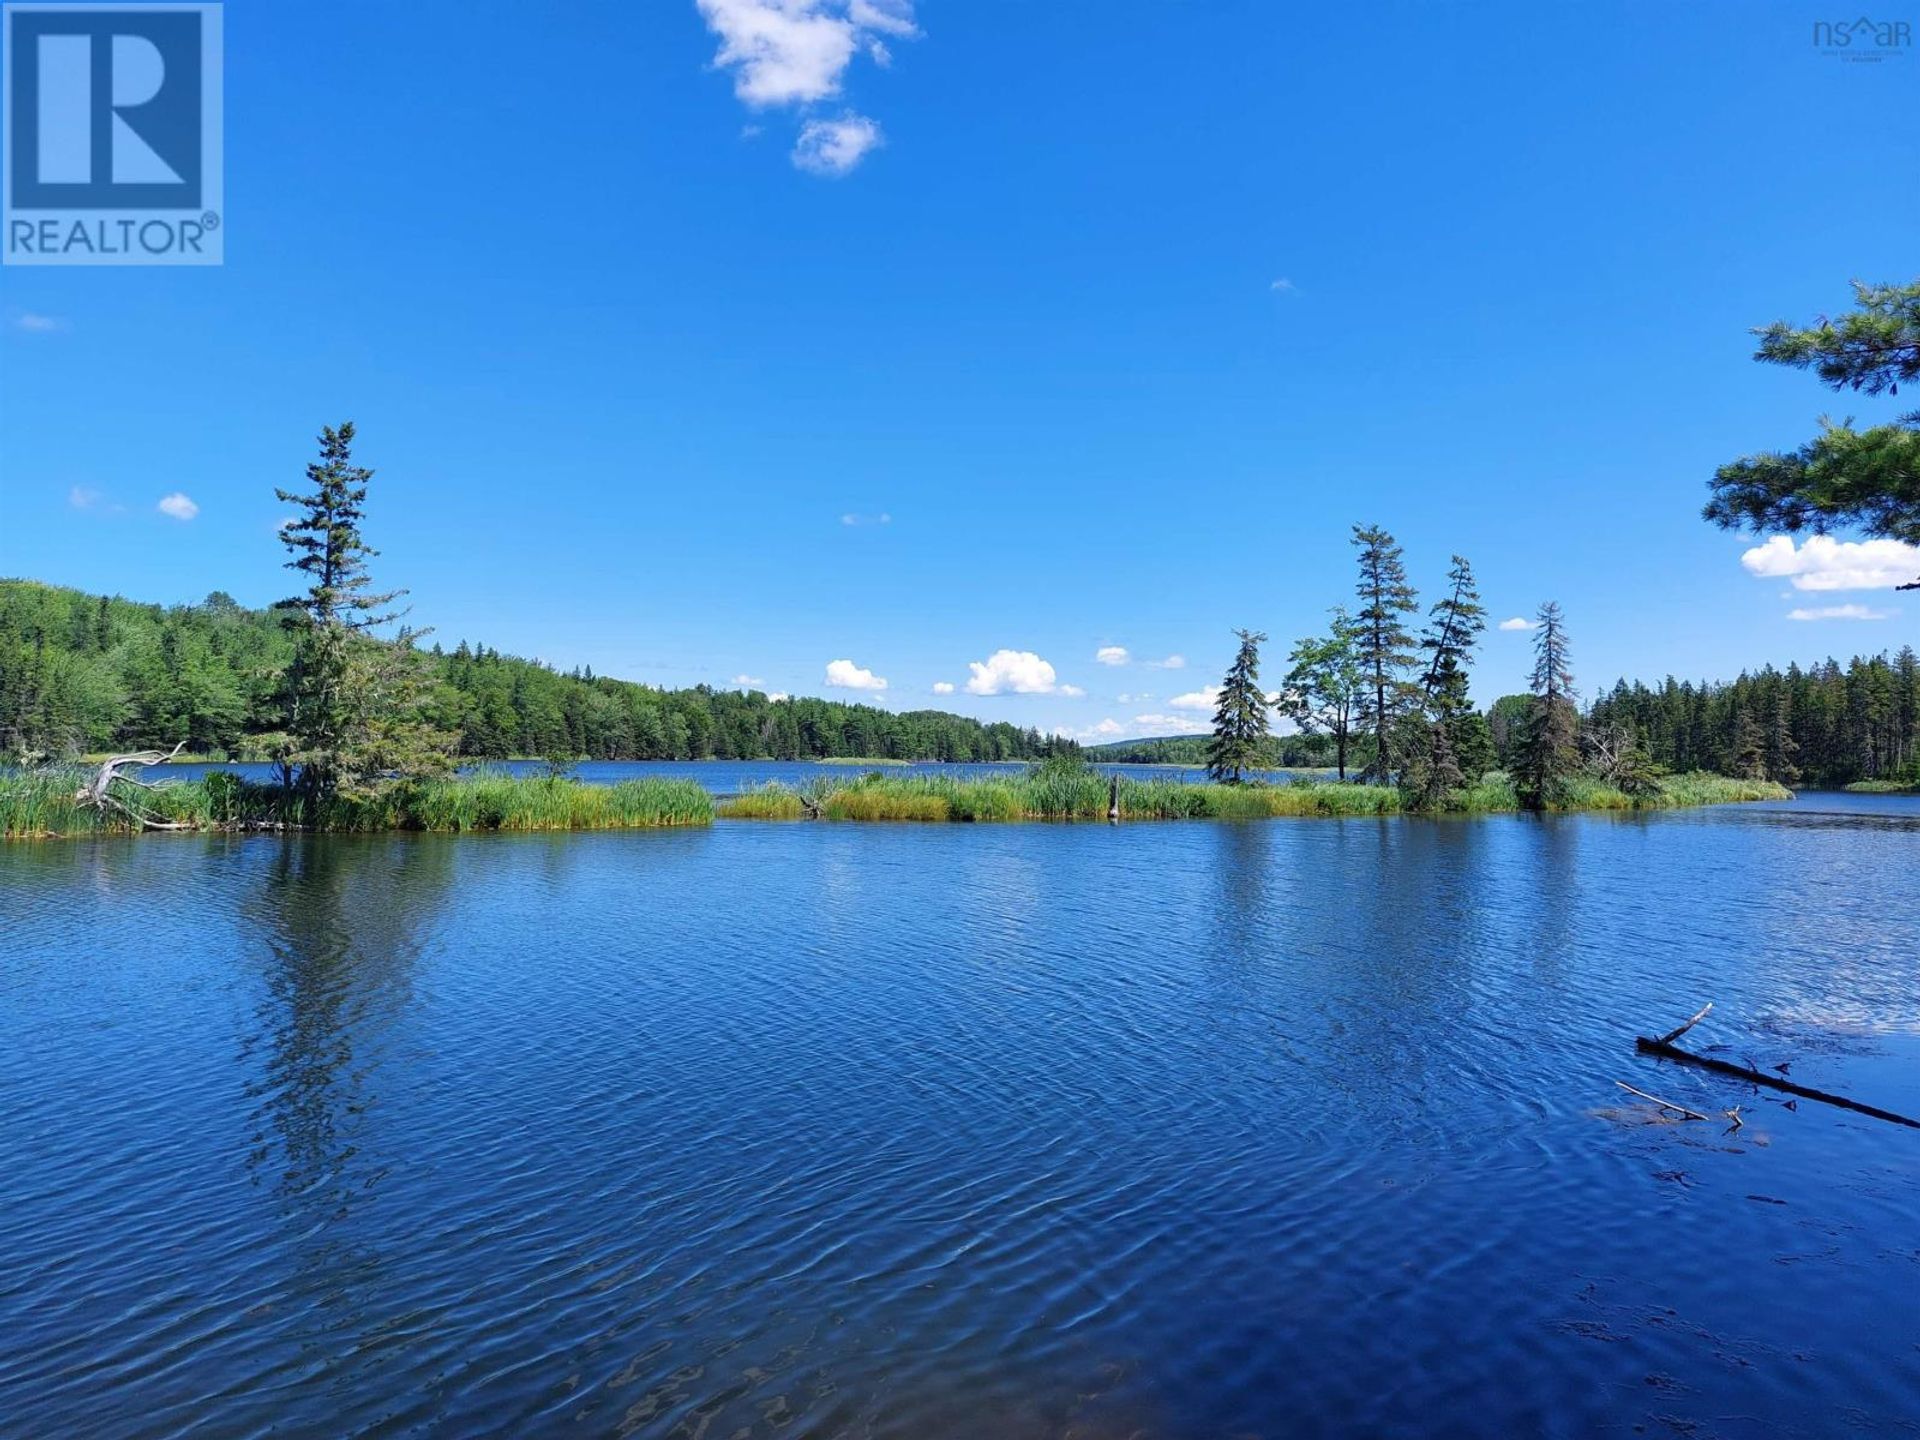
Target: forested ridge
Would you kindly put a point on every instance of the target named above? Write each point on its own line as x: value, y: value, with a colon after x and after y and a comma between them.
x: 83, y: 672
x: 1829, y: 724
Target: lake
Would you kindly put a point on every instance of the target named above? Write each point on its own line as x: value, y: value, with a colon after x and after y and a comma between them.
x: 725, y: 778
x: 1181, y: 1130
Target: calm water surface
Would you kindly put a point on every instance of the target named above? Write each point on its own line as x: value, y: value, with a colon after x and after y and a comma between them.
x: 1188, y: 1130
x: 732, y: 777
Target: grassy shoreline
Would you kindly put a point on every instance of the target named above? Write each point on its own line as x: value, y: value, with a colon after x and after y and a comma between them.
x: 1040, y: 795
x: 40, y: 804
x: 1884, y: 787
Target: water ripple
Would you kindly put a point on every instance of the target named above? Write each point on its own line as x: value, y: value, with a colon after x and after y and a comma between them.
x: 1183, y: 1131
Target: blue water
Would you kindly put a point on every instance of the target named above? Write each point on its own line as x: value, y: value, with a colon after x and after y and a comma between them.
x: 734, y: 777
x: 1177, y: 1130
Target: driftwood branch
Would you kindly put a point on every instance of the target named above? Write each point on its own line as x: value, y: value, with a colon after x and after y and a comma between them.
x: 1663, y: 1048
x: 1673, y: 1035
x: 97, y: 793
x: 1663, y: 1104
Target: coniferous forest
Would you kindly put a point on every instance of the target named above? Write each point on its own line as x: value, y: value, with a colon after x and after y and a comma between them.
x: 86, y: 673
x: 83, y: 673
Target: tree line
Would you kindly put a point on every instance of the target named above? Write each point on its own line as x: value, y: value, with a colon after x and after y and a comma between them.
x: 307, y: 685
x: 82, y: 673
x: 1828, y: 725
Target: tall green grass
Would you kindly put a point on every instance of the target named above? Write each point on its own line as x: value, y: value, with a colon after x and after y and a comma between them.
x: 1062, y: 793
x: 40, y: 803
x: 1885, y: 787
x: 1056, y: 793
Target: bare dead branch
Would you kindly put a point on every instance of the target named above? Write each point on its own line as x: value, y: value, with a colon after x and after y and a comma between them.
x: 1663, y: 1104
x: 1673, y: 1035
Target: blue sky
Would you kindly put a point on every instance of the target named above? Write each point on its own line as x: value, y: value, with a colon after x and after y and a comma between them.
x: 904, y: 337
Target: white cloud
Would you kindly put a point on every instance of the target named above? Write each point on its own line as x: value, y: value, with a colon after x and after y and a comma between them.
x: 943, y: 687
x: 1072, y: 692
x: 851, y: 518
x: 1283, y: 286
x: 1518, y: 622
x: 1196, y: 700
x: 1171, y: 724
x: 1108, y: 728
x: 1112, y: 655
x: 1823, y: 563
x: 82, y: 498
x: 748, y: 682
x: 1172, y: 662
x: 845, y: 675
x: 38, y: 324
x: 1139, y: 699
x: 1840, y: 612
x: 834, y: 147
x: 1018, y: 672
x: 796, y: 53
x: 777, y: 696
x: 782, y: 52
x: 178, y: 506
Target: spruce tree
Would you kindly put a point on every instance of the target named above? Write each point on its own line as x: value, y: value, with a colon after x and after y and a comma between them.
x: 1385, y: 646
x: 1441, y: 743
x: 1240, y: 721
x: 1549, y: 752
x: 353, y: 713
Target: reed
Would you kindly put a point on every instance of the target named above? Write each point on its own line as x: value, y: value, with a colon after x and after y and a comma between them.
x: 38, y: 803
x: 1063, y: 793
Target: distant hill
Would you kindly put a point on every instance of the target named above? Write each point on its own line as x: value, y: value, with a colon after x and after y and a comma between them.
x: 1279, y: 753
x: 83, y: 672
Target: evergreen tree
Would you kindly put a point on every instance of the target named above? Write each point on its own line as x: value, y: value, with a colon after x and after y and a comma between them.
x: 1444, y: 739
x: 1749, y: 760
x: 1386, y: 599
x: 352, y: 715
x: 1240, y: 721
x: 1454, y: 627
x: 1868, y: 479
x: 1550, y: 751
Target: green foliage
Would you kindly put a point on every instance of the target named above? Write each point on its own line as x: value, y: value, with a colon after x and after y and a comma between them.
x: 1550, y: 751
x: 82, y: 673
x: 1875, y: 347
x: 1829, y: 725
x: 1384, y: 644
x: 1507, y: 727
x: 1240, y: 717
x: 1868, y: 479
x: 359, y: 713
x: 1325, y: 686
x: 41, y: 803
x: 1062, y: 794
x: 1276, y: 752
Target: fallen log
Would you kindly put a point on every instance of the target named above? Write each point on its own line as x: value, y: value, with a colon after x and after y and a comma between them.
x: 1664, y: 1048
x: 97, y: 794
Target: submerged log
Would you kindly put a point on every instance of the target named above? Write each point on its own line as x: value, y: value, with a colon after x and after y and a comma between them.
x: 1663, y: 1047
x: 1663, y: 1104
